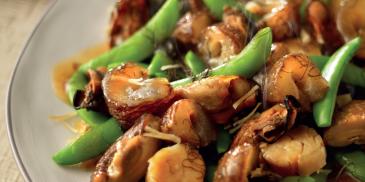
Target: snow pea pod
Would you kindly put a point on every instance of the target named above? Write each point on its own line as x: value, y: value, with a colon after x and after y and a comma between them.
x: 114, y: 65
x: 333, y: 72
x: 250, y: 60
x: 353, y: 161
x: 223, y: 141
x: 194, y: 63
x: 320, y: 176
x: 216, y: 7
x: 209, y: 176
x: 159, y: 59
x: 353, y: 74
x: 89, y: 145
x: 78, y: 82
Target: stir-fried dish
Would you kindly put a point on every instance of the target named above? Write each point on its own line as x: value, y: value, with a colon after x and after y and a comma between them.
x: 212, y: 90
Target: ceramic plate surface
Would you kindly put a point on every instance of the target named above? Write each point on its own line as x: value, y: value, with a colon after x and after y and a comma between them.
x: 68, y: 27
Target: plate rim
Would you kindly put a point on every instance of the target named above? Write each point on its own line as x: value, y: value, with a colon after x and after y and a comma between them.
x: 8, y: 120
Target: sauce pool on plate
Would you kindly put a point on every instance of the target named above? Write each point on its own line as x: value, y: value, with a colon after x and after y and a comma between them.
x: 63, y: 70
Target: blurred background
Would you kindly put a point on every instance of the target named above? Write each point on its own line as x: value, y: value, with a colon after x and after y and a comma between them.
x: 17, y: 21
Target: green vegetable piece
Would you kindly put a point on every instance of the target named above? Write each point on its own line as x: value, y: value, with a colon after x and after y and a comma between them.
x: 92, y: 118
x: 78, y: 82
x: 209, y: 176
x: 89, y: 145
x: 353, y: 74
x: 333, y: 72
x: 114, y: 65
x: 223, y: 141
x: 250, y: 60
x: 320, y: 176
x: 194, y: 63
x: 298, y: 179
x: 216, y: 7
x: 159, y: 59
x: 353, y: 161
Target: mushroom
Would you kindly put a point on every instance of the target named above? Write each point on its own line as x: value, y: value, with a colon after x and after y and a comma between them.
x: 129, y: 94
x: 127, y: 17
x: 215, y: 93
x: 350, y: 20
x: 348, y: 127
x: 323, y: 26
x: 180, y: 163
x: 301, y: 152
x: 126, y: 160
x: 195, y: 5
x: 269, y: 125
x: 292, y: 46
x: 238, y: 163
x: 187, y: 120
x: 262, y: 7
x: 222, y: 41
x: 294, y: 75
x: 92, y: 97
x: 278, y: 50
x: 243, y: 156
x: 190, y: 27
x: 299, y: 46
x: 283, y: 20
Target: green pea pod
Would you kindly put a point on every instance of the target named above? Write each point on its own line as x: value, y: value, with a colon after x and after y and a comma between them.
x: 92, y: 118
x: 320, y: 176
x: 250, y: 60
x: 223, y: 141
x: 298, y: 179
x: 78, y: 82
x: 194, y: 63
x: 333, y: 72
x: 209, y: 175
x: 137, y: 48
x: 353, y: 161
x: 89, y: 145
x: 159, y: 59
x: 353, y: 74
x: 216, y: 7
x: 114, y: 65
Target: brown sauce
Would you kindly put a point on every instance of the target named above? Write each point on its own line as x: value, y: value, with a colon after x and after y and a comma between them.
x: 63, y: 70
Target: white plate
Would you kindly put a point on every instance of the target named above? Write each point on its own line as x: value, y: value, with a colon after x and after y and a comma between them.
x: 68, y: 27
